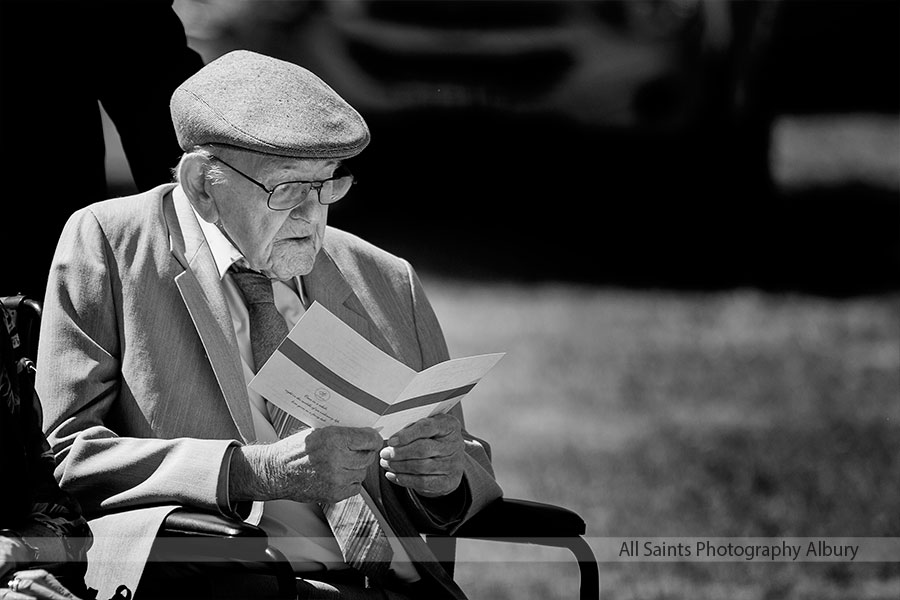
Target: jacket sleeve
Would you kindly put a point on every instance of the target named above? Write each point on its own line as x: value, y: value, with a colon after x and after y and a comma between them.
x: 81, y: 385
x: 479, y: 486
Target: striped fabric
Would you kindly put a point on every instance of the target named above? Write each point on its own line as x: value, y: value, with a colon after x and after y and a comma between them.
x: 359, y: 535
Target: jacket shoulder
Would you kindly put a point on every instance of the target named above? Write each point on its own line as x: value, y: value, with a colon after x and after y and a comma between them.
x: 127, y: 208
x: 347, y: 250
x: 122, y: 219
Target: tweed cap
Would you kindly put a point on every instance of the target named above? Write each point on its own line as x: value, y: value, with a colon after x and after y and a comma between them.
x: 266, y: 105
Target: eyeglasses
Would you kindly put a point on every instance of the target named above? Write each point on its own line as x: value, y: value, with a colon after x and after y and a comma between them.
x: 288, y: 195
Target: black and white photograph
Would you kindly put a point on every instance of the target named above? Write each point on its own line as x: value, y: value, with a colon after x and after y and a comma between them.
x: 450, y: 299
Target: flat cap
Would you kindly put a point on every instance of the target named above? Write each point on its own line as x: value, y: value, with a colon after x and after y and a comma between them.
x: 266, y: 105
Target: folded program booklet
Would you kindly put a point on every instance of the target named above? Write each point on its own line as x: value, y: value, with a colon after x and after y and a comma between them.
x: 325, y: 373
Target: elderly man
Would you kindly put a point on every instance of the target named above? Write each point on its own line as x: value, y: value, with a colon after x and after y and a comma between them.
x: 161, y: 306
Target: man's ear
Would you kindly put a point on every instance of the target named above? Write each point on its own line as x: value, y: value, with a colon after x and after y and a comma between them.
x: 197, y: 187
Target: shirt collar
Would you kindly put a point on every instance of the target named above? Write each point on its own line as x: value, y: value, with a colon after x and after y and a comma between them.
x: 223, y: 251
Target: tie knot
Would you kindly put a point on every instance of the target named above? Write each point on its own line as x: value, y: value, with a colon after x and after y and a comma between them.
x: 256, y: 287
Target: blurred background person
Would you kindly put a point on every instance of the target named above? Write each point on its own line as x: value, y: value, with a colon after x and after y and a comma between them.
x: 58, y: 60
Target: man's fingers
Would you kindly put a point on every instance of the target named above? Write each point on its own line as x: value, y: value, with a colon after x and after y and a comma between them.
x: 427, y: 448
x: 426, y: 485
x: 351, y: 473
x: 363, y: 439
x: 32, y: 574
x: 8, y: 594
x: 44, y: 578
x: 419, y: 449
x: 428, y: 466
x: 352, y: 459
x: 34, y: 589
x: 429, y: 427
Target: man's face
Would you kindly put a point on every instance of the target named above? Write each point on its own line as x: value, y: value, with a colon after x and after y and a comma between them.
x: 281, y: 244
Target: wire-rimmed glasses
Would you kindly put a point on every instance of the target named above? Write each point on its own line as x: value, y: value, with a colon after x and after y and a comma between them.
x: 288, y: 195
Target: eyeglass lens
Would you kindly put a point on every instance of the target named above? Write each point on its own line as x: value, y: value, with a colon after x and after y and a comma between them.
x: 291, y: 194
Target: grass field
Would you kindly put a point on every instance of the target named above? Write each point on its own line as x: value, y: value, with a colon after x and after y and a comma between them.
x: 664, y: 414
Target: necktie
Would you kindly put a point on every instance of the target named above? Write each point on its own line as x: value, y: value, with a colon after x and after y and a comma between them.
x: 363, y: 543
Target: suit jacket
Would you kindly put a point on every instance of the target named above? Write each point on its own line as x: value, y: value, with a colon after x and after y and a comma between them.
x: 142, y: 382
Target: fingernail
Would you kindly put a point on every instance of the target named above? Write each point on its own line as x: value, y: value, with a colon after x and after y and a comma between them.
x: 387, y: 453
x: 383, y: 463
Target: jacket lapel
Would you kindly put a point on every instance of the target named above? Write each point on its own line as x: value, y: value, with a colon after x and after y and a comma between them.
x: 328, y: 286
x: 201, y: 291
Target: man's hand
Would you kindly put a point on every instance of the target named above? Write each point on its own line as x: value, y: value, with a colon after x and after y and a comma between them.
x: 12, y: 553
x: 313, y: 465
x: 427, y: 456
x: 35, y: 585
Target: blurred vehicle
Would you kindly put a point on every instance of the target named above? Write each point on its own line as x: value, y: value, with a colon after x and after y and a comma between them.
x: 627, y: 63
x: 664, y: 66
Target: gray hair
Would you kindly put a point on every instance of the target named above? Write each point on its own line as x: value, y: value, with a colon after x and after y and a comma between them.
x: 215, y: 174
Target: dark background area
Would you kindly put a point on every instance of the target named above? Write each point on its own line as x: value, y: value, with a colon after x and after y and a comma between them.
x: 672, y: 187
x: 498, y: 185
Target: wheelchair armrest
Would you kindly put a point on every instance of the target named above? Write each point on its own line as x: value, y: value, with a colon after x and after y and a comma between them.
x: 189, y: 532
x: 522, y: 520
x: 185, y: 522
x: 194, y: 535
x: 526, y: 522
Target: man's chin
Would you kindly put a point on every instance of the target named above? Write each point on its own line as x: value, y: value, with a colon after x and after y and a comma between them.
x: 288, y: 272
x: 291, y: 259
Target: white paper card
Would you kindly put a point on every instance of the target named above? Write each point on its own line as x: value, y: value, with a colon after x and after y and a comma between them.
x: 325, y: 373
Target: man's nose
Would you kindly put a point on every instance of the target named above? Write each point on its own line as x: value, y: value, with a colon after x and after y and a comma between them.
x: 306, y: 209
